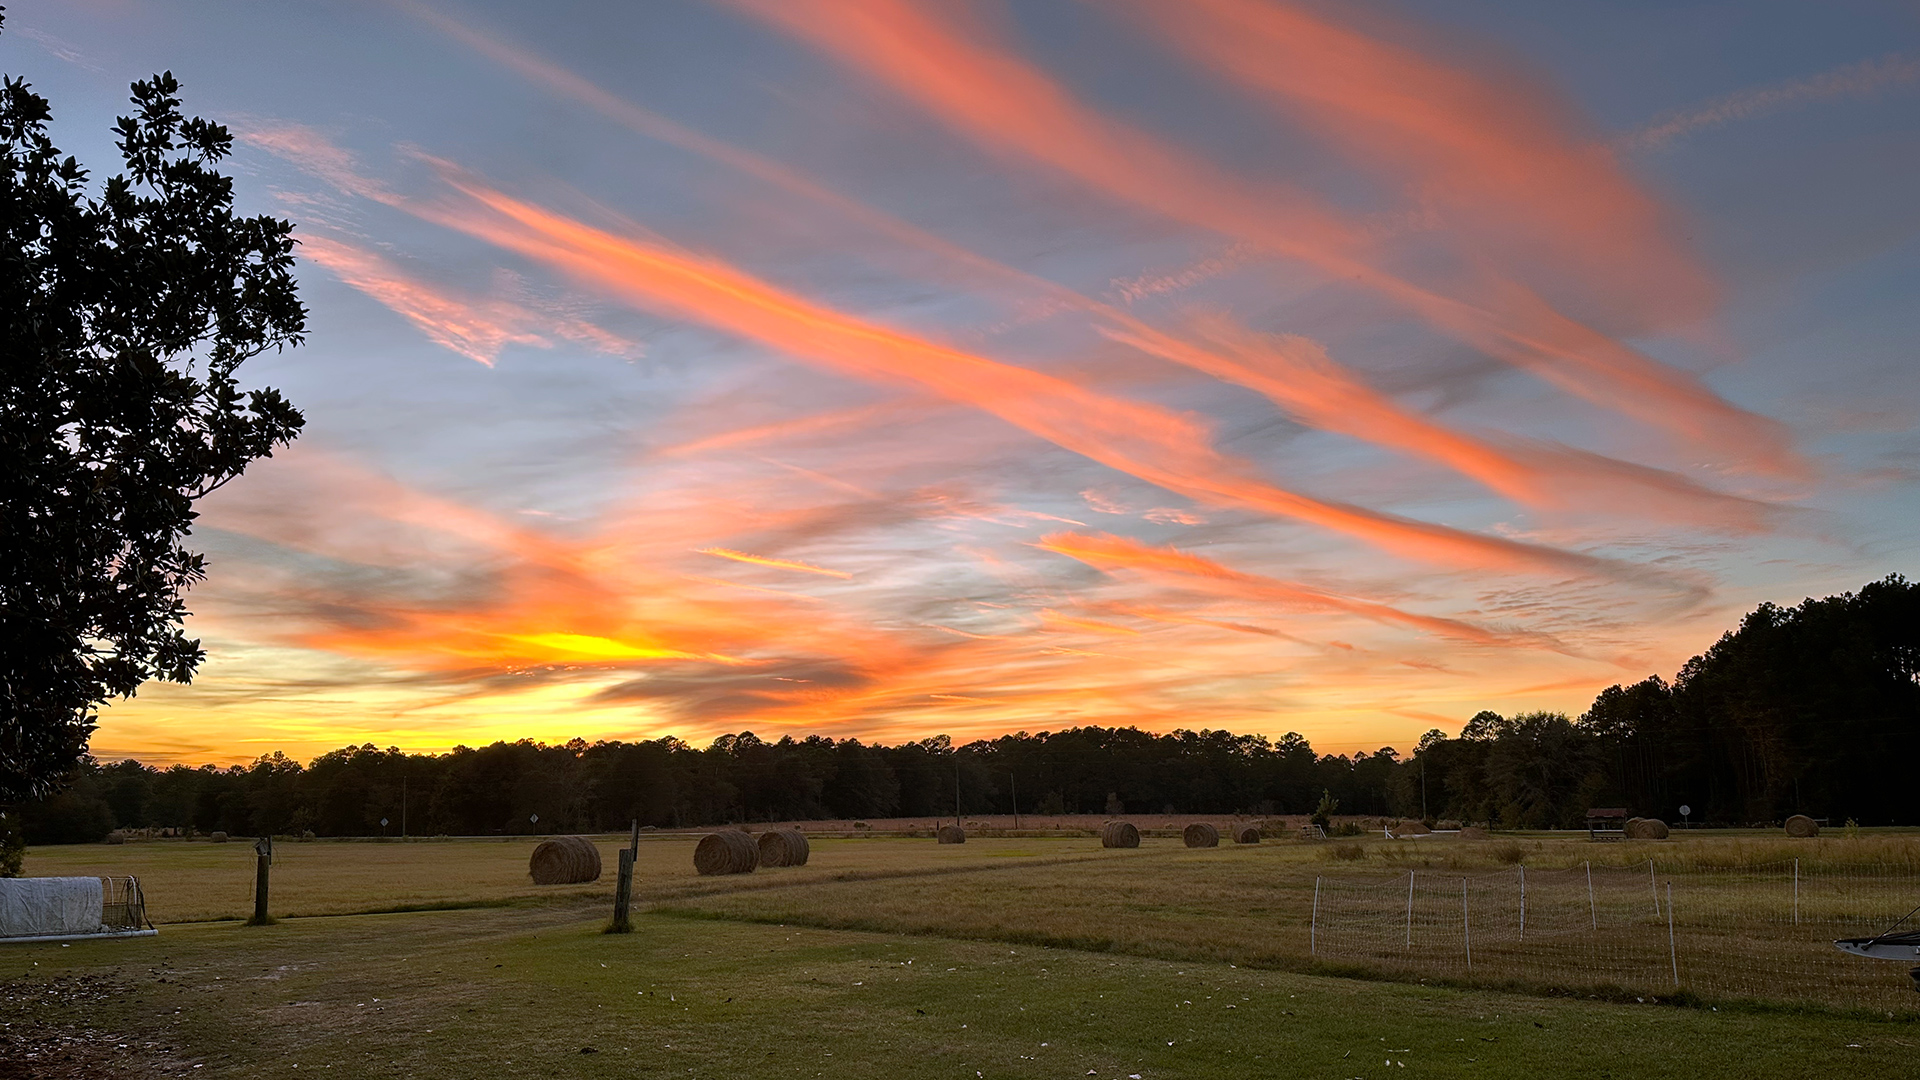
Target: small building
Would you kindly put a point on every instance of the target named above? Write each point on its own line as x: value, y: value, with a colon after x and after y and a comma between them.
x: 1607, y: 823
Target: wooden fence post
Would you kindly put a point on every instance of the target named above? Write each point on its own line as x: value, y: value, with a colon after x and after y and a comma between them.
x: 623, y: 886
x: 263, y: 853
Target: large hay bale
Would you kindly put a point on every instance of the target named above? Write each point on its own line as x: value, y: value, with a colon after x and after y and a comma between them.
x: 564, y: 860
x: 1120, y: 834
x: 784, y: 847
x: 1246, y: 834
x: 218, y: 837
x: 1472, y: 832
x: 952, y: 834
x: 1409, y: 828
x: 1802, y: 826
x: 728, y: 852
x: 1646, y: 828
x: 1201, y: 834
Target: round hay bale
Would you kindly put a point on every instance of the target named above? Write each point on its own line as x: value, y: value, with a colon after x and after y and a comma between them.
x: 952, y: 834
x: 1472, y: 832
x: 1201, y: 834
x: 1246, y: 834
x: 1646, y: 829
x: 784, y: 847
x: 218, y: 838
x: 115, y: 837
x: 1802, y: 826
x: 1120, y: 834
x: 729, y: 852
x: 1409, y: 828
x: 564, y: 860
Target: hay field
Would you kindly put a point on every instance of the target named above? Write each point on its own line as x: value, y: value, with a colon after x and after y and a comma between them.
x: 198, y: 881
x: 1010, y: 957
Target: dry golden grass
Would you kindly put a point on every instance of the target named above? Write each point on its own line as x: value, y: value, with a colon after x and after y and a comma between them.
x: 196, y: 881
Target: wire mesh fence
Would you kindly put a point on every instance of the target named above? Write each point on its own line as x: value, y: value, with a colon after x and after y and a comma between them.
x: 1762, y: 932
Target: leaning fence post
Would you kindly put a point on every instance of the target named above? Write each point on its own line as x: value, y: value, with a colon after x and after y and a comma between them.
x: 623, y: 887
x: 1523, y: 903
x: 1655, y: 886
x: 1673, y: 952
x: 1796, y: 892
x: 1313, y: 924
x: 1466, y: 929
x: 1593, y: 909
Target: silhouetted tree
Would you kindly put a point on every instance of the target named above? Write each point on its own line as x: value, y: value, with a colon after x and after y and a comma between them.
x: 123, y: 317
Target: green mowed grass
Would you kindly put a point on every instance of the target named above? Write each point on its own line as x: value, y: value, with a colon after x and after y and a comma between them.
x: 511, y: 993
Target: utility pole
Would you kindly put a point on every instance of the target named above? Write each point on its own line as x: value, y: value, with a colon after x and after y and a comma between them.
x: 1015, y: 781
x: 956, y: 789
x: 403, y: 806
x: 1423, y: 787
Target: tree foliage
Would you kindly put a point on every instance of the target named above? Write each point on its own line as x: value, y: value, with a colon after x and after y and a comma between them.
x: 123, y: 318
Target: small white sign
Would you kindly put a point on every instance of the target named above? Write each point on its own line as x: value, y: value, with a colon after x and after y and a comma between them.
x: 1685, y: 810
x: 533, y: 819
x: 383, y: 823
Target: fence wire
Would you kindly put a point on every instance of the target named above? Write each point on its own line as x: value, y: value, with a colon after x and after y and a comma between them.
x: 1762, y: 932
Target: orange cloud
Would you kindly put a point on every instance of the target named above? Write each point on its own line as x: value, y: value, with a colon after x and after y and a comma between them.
x: 1295, y: 373
x: 1104, y: 551
x: 1481, y: 142
x: 1320, y: 392
x: 476, y: 329
x: 1162, y: 447
x: 1013, y: 108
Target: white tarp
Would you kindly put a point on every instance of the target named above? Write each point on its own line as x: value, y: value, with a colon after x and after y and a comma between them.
x: 30, y: 907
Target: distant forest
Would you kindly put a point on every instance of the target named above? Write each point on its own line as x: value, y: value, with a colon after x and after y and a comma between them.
x: 1811, y: 709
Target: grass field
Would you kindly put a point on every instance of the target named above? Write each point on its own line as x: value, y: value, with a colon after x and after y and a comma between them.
x: 1020, y: 957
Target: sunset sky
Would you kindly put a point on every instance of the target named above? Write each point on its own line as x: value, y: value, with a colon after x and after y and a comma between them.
x: 887, y: 369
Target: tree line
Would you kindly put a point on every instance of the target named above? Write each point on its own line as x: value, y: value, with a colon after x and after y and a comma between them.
x: 1809, y: 709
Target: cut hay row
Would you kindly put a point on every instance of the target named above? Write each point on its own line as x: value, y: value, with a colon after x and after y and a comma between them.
x: 784, y: 847
x: 1120, y: 834
x: 728, y: 852
x: 1201, y: 834
x: 564, y: 860
x: 952, y: 834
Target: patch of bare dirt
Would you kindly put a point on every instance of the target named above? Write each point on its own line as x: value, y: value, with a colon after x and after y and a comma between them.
x: 49, y: 1030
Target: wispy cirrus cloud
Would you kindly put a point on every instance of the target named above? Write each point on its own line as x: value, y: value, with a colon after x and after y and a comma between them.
x: 475, y: 327
x: 1865, y: 78
x: 1014, y: 109
x: 1165, y: 448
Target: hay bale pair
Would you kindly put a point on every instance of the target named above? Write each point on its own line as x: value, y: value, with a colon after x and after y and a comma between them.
x: 1646, y: 829
x: 951, y: 834
x: 1200, y: 834
x: 728, y: 852
x: 1802, y: 826
x: 1119, y: 834
x: 784, y: 847
x: 564, y: 860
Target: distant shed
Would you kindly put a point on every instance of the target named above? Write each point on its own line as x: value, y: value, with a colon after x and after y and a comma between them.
x: 1607, y: 823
